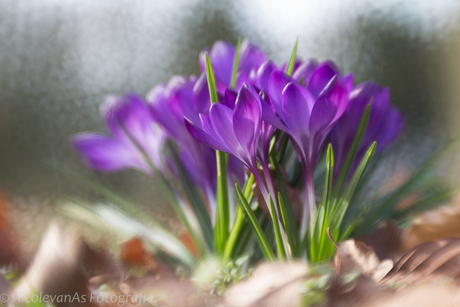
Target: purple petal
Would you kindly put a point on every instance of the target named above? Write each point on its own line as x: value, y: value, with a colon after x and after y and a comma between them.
x: 128, y: 114
x: 262, y: 75
x: 201, y: 98
x: 180, y: 103
x: 221, y: 118
x: 322, y: 114
x: 268, y: 112
x: 222, y: 55
x: 230, y: 98
x: 276, y: 84
x: 348, y: 81
x: 246, y: 118
x: 297, y: 104
x: 204, y: 137
x: 250, y: 57
x: 340, y: 97
x: 321, y: 77
x: 305, y: 70
x: 105, y: 154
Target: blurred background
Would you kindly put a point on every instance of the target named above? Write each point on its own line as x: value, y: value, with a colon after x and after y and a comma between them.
x: 59, y: 59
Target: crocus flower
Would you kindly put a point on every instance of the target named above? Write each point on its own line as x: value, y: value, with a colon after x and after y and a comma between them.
x: 385, y: 123
x: 133, y: 137
x: 169, y: 103
x: 189, y: 97
x: 222, y: 55
x: 259, y: 77
x: 308, y: 114
x: 235, y: 131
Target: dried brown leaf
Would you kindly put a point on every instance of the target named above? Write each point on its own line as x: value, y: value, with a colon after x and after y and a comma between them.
x: 271, y: 285
x: 444, y: 222
x: 355, y: 256
x: 62, y: 266
x: 423, y: 295
x: 420, y: 295
x: 134, y: 253
x: 165, y: 291
x: 434, y: 260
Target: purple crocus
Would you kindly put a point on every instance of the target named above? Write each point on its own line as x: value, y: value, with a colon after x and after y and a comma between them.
x: 189, y: 97
x: 385, y: 123
x: 234, y: 130
x: 169, y: 103
x: 133, y: 141
x: 308, y: 114
x: 222, y: 55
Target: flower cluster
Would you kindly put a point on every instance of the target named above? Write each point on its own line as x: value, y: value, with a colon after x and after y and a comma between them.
x: 259, y: 104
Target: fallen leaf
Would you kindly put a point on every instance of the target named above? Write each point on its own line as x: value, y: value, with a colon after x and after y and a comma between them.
x: 133, y: 252
x: 436, y: 259
x: 420, y: 295
x: 62, y: 266
x: 188, y: 242
x: 271, y: 285
x: 443, y: 222
x: 355, y: 256
x: 424, y: 295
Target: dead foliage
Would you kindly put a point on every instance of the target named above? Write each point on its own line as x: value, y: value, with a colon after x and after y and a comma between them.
x: 271, y: 285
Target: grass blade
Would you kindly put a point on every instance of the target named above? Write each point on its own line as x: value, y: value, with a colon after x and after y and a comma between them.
x: 320, y: 238
x: 239, y: 220
x: 236, y: 62
x: 198, y: 206
x: 343, y: 174
x: 277, y: 229
x: 222, y: 225
x: 291, y: 63
x: 342, y: 206
x: 123, y: 224
x: 211, y: 81
x: 258, y: 233
x: 287, y: 214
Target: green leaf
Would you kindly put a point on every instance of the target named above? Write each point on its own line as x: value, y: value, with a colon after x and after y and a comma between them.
x: 282, y: 147
x: 211, y: 81
x: 236, y: 62
x: 287, y: 212
x: 122, y: 223
x: 197, y: 239
x: 291, y: 63
x: 320, y: 237
x: 261, y: 239
x: 426, y: 202
x: 348, y: 229
x: 385, y: 206
x: 343, y: 174
x: 340, y: 209
x: 222, y: 202
x: 198, y: 206
x: 239, y: 221
x: 277, y: 229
